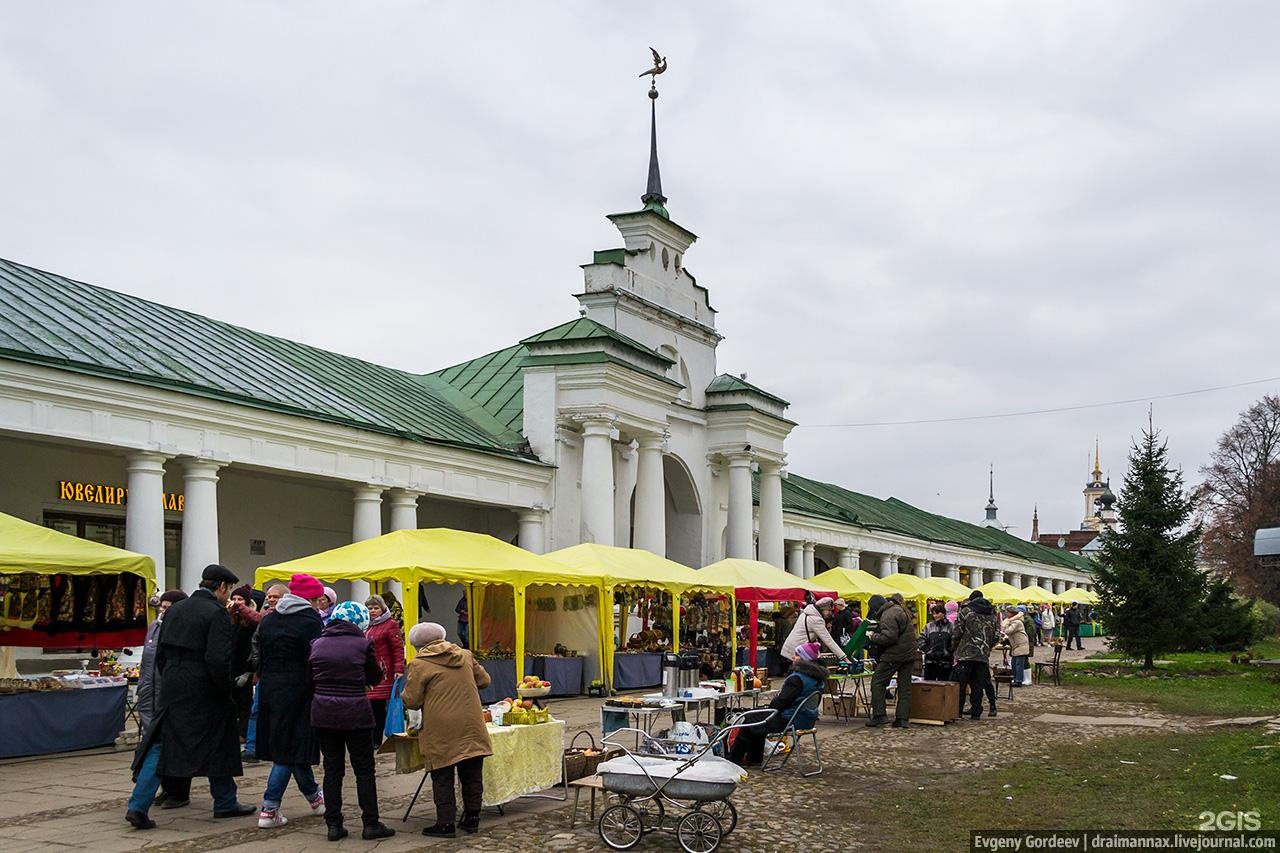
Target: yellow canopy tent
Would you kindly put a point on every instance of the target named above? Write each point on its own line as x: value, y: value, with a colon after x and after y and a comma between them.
x: 919, y: 590
x: 1076, y: 594
x: 27, y: 548
x: 853, y: 583
x: 754, y: 581
x: 999, y: 592
x: 439, y: 555
x: 1037, y: 594
x: 634, y: 567
x: 954, y: 589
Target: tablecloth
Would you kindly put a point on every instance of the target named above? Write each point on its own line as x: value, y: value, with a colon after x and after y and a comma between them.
x: 525, y: 759
x: 51, y: 721
x: 635, y: 670
x: 502, y: 685
x: 565, y: 674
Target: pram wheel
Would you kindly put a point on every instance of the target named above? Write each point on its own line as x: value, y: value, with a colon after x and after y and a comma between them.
x: 699, y: 832
x: 621, y: 827
x: 723, y: 811
x: 651, y: 812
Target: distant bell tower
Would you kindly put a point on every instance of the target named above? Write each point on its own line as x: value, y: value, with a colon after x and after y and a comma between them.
x: 1094, y: 489
x: 1035, y: 523
x: 992, y: 520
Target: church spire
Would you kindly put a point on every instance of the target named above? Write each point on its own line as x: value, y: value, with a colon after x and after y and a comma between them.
x: 991, y: 520
x: 1097, y: 461
x: 1035, y: 523
x: 653, y: 199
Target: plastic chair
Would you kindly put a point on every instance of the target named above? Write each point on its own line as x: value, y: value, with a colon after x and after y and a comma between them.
x: 790, y: 736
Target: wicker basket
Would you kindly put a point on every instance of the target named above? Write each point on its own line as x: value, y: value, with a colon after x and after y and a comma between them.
x: 577, y: 764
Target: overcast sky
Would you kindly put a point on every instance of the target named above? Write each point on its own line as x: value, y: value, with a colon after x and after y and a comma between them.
x: 905, y: 211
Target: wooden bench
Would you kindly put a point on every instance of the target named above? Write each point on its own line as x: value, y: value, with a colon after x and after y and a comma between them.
x: 591, y: 783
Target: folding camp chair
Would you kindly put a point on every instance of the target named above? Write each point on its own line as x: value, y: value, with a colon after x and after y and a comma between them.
x: 788, y: 740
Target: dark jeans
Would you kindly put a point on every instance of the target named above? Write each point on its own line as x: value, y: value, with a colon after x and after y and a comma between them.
x: 379, y: 720
x: 748, y: 743
x: 937, y: 670
x: 334, y: 744
x: 974, y: 677
x: 470, y: 776
x: 880, y: 683
x: 1019, y: 669
x: 1073, y: 631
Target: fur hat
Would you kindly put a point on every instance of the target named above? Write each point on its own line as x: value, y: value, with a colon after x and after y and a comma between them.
x: 425, y: 633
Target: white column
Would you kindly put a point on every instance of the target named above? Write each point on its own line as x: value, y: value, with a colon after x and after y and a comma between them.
x: 597, y: 480
x: 199, y: 519
x: 849, y: 558
x: 624, y: 485
x: 404, y: 516
x: 739, y: 538
x: 886, y: 565
x: 366, y: 523
x: 953, y: 572
x: 809, y: 568
x: 771, y: 545
x: 1059, y: 586
x: 651, y: 497
x: 1014, y: 579
x: 532, y: 535
x: 975, y: 578
x: 893, y: 564
x: 795, y: 557
x: 144, y: 511
x: 924, y: 568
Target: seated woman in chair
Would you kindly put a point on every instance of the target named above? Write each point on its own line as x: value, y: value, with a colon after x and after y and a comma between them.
x: 805, y: 678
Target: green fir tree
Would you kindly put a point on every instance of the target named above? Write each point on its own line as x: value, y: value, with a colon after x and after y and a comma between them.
x: 1149, y: 587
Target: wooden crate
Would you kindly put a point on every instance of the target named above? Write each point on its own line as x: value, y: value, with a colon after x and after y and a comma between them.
x: 935, y: 700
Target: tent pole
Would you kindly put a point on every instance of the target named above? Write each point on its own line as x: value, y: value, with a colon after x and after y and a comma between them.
x: 471, y: 616
x: 733, y: 632
x: 518, y: 592
x: 675, y: 620
x: 753, y: 632
x: 410, y: 614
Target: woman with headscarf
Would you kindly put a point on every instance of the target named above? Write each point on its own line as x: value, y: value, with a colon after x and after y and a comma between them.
x: 804, y: 678
x: 342, y: 666
x: 387, y: 637
x: 285, y: 735
x: 328, y: 599
x: 444, y: 681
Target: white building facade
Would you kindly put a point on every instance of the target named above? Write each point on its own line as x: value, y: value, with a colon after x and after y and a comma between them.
x: 195, y: 442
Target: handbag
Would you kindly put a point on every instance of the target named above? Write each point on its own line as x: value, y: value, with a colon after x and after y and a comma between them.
x: 395, y: 710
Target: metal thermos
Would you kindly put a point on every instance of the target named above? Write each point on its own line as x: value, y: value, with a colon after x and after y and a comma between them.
x: 670, y: 674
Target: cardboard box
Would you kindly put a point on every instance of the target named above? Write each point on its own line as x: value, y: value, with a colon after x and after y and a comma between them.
x: 935, y: 700
x: 839, y: 706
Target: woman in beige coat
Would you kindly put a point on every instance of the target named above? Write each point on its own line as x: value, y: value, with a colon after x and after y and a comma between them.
x: 1015, y: 631
x: 444, y: 681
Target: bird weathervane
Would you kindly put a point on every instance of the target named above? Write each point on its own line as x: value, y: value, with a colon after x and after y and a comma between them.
x: 659, y: 66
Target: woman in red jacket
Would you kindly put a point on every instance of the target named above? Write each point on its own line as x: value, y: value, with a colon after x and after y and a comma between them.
x: 388, y: 647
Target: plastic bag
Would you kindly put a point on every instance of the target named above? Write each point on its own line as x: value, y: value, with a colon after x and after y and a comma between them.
x: 687, y: 738
x: 395, y: 710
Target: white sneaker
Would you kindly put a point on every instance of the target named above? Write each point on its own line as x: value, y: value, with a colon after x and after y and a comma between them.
x: 271, y: 819
x: 317, y: 805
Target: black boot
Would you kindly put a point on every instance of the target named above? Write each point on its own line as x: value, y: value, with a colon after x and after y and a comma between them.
x: 139, y: 820
x: 377, y: 830
x: 337, y: 832
x: 877, y: 721
x: 441, y: 830
x: 470, y: 821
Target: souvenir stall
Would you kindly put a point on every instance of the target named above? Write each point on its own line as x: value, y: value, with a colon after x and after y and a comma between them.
x: 659, y: 588
x: 59, y: 591
x: 755, y: 582
x: 488, y: 568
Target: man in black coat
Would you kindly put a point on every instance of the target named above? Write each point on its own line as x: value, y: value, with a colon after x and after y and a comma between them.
x: 194, y: 732
x: 1071, y: 625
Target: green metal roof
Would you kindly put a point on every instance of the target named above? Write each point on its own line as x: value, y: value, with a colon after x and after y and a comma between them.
x: 727, y: 383
x: 583, y: 329
x: 824, y: 500
x: 494, y: 382
x: 66, y: 324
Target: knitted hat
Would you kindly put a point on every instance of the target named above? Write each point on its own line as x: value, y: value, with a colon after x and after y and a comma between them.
x: 330, y: 594
x: 976, y: 594
x: 173, y: 596
x: 244, y: 591
x: 351, y: 611
x: 875, y: 605
x: 305, y: 586
x: 425, y: 633
x: 808, y: 651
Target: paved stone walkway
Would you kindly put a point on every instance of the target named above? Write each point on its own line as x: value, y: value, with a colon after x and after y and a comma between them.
x: 78, y: 801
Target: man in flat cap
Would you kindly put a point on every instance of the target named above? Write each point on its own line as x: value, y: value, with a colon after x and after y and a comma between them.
x: 194, y: 732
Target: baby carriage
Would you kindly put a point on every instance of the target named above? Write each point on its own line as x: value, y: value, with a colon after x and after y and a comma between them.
x: 696, y: 787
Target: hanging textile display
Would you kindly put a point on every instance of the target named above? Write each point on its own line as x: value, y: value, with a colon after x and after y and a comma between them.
x: 117, y: 604
x: 139, y: 600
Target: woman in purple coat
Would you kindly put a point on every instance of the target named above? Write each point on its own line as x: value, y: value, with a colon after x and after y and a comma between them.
x: 342, y: 668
